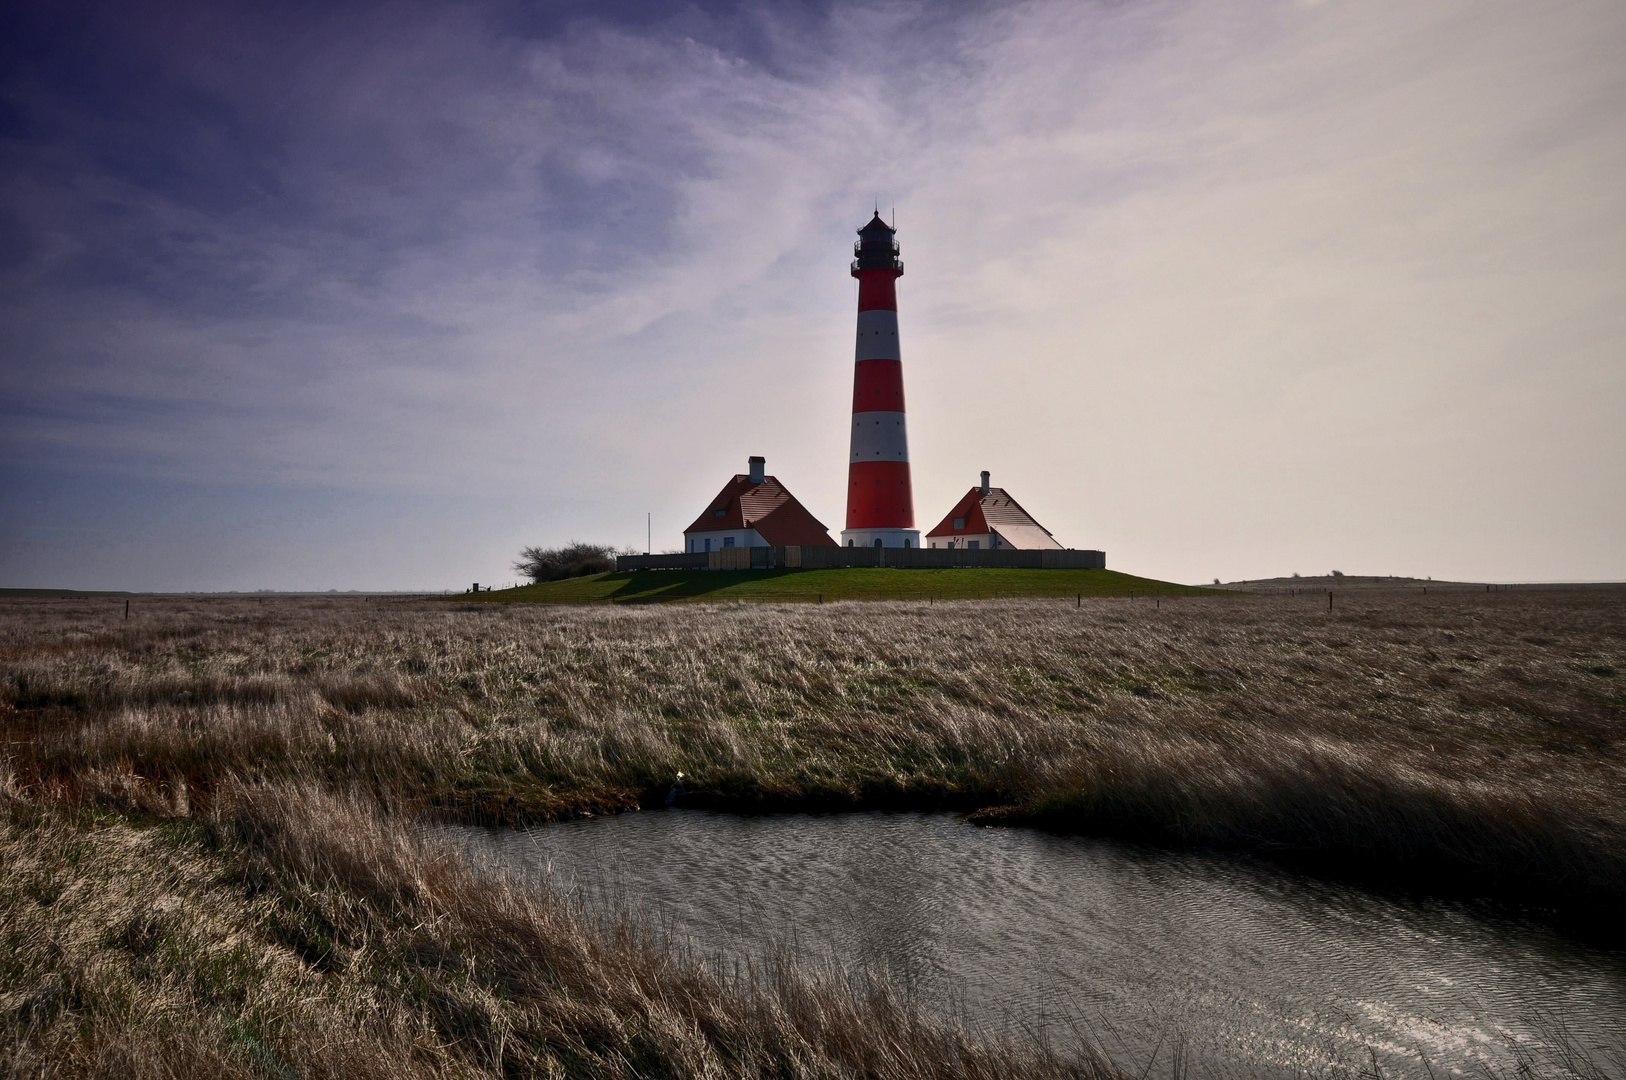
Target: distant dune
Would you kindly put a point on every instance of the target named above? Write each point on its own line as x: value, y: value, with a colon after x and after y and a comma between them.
x: 1379, y: 581
x: 1343, y: 581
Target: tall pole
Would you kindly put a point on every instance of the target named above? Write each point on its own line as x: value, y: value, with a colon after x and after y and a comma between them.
x: 880, y: 496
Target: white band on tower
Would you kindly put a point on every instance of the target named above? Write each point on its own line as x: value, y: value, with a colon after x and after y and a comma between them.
x: 879, y: 436
x: 877, y: 336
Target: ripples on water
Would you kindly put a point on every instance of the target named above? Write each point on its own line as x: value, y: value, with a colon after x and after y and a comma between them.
x: 1243, y: 966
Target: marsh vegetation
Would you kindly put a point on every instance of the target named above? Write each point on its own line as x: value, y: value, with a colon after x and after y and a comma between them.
x: 211, y: 854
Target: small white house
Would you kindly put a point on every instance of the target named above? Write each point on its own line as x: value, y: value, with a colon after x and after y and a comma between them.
x: 755, y: 510
x: 988, y: 519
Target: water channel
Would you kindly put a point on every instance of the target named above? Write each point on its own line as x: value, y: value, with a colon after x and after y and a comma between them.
x: 1247, y: 968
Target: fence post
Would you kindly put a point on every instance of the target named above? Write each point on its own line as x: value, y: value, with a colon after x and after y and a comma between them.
x: 1329, y: 599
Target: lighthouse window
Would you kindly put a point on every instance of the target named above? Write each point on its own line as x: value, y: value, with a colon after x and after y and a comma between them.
x: 959, y: 523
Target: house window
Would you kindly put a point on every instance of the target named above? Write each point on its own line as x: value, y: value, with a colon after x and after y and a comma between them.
x: 719, y: 512
x: 972, y: 544
x: 959, y: 523
x: 728, y: 541
x: 708, y: 543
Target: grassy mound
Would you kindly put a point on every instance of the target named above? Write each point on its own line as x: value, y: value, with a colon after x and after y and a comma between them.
x: 847, y: 583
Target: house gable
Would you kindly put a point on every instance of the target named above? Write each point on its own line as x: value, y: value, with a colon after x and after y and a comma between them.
x: 766, y: 509
x: 980, y: 517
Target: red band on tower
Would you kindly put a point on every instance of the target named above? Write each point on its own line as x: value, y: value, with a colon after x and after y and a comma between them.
x: 878, y: 384
x: 875, y: 492
x: 877, y: 291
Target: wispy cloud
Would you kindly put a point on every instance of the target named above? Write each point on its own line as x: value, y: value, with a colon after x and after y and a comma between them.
x: 1225, y: 291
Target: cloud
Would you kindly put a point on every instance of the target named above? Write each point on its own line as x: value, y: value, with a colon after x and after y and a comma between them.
x: 332, y: 228
x: 1218, y: 290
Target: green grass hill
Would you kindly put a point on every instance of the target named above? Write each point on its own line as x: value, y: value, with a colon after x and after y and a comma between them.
x: 848, y: 583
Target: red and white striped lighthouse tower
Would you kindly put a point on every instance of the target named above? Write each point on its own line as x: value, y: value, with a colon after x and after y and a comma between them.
x: 880, y: 499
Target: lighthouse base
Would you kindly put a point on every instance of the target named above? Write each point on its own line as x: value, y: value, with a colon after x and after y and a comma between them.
x: 892, y: 538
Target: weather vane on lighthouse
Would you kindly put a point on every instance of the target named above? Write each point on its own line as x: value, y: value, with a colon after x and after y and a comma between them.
x: 880, y: 498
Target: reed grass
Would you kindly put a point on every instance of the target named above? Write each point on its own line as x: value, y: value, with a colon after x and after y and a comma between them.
x: 253, y: 770
x: 1481, y: 730
x: 294, y: 932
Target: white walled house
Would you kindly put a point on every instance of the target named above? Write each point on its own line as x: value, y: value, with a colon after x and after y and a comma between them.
x: 988, y: 519
x: 755, y: 510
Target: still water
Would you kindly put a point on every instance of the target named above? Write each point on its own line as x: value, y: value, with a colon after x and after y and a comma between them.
x: 1246, y: 968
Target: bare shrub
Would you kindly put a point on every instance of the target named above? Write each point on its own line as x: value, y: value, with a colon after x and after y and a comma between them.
x: 575, y: 559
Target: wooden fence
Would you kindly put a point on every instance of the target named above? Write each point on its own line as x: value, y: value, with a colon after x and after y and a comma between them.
x: 824, y: 557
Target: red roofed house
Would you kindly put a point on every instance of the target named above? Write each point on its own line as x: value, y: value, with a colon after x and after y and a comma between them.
x: 988, y: 518
x: 755, y: 511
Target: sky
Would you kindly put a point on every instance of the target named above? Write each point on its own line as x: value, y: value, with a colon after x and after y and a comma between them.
x: 370, y: 296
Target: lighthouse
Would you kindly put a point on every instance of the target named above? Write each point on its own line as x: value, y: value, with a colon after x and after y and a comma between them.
x: 880, y: 499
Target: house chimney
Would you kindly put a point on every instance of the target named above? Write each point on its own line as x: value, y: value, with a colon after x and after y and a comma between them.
x: 759, y: 468
x: 985, y: 481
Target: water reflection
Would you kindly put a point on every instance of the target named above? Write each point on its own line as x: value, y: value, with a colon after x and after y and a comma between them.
x: 1248, y: 968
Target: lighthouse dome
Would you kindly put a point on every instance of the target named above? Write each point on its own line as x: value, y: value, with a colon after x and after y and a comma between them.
x: 876, y: 247
x: 876, y: 225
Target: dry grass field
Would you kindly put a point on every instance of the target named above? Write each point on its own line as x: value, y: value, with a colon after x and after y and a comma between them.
x: 210, y: 863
